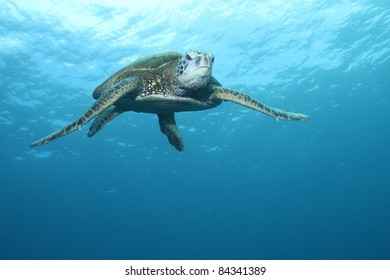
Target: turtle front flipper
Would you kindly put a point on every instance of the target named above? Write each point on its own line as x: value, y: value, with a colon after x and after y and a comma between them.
x: 120, y: 89
x: 168, y: 127
x: 225, y: 94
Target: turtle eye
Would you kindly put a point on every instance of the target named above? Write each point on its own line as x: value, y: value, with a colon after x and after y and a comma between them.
x: 191, y: 55
x: 212, y: 59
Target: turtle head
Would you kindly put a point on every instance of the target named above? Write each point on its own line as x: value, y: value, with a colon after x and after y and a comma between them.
x: 193, y: 71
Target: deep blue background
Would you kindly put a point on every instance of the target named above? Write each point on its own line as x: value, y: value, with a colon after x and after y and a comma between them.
x: 246, y: 186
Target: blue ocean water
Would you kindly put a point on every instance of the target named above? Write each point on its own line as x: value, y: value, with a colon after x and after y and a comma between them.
x: 246, y: 186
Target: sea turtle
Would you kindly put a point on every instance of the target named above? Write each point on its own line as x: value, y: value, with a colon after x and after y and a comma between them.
x: 163, y: 84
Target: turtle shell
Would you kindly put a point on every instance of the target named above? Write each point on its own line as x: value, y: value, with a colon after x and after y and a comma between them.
x: 136, y: 69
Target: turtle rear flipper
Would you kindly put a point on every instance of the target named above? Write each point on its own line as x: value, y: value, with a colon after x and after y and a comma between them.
x: 244, y: 100
x: 102, y: 119
x: 168, y: 127
x: 122, y: 88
